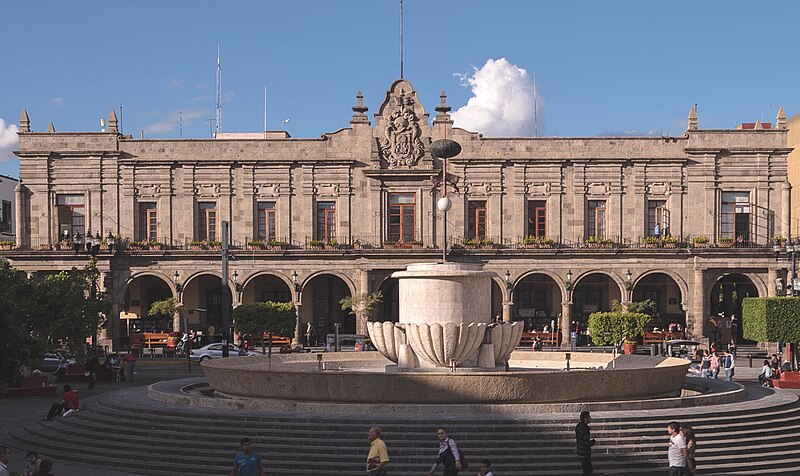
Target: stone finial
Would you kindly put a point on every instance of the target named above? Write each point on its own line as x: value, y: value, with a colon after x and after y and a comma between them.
x: 358, y: 111
x: 692, y: 119
x: 758, y: 125
x: 442, y: 110
x: 113, y: 125
x: 51, y: 127
x: 780, y: 119
x: 24, y: 122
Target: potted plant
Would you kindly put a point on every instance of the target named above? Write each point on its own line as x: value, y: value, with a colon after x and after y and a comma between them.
x: 332, y: 245
x: 197, y: 245
x: 546, y: 243
x: 316, y: 244
x: 215, y: 245
x: 700, y: 241
x: 650, y: 242
x: 487, y: 243
x: 726, y: 242
x: 155, y: 245
x: 136, y: 246
x: 591, y: 242
x: 619, y: 328
x: 529, y: 241
x: 606, y: 243
x: 670, y: 241
x: 470, y: 243
x: 416, y: 243
x: 255, y: 245
x: 6, y: 245
x: 276, y: 245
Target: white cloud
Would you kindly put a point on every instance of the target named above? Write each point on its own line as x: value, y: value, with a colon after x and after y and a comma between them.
x: 57, y: 101
x: 632, y: 133
x: 175, y: 83
x: 8, y: 140
x: 502, y: 102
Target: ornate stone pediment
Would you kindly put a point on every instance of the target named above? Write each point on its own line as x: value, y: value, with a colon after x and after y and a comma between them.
x: 480, y: 189
x: 660, y: 188
x: 401, y: 127
x: 597, y: 188
x: 327, y: 190
x: 149, y: 190
x: 209, y: 190
x: 537, y: 189
x: 267, y: 190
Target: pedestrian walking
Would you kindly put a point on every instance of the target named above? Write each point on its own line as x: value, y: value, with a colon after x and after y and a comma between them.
x: 92, y: 366
x: 714, y: 365
x: 705, y: 364
x: 32, y: 463
x: 691, y: 446
x: 448, y: 457
x: 247, y: 462
x: 45, y: 469
x: 5, y: 458
x: 129, y: 366
x: 677, y: 453
x: 378, y: 456
x: 728, y: 365
x: 584, y: 443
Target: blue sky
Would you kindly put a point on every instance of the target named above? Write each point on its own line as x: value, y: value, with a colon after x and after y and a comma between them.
x: 601, y: 67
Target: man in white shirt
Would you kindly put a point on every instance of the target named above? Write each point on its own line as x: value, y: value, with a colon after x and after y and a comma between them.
x: 728, y: 364
x: 5, y: 457
x: 678, y: 454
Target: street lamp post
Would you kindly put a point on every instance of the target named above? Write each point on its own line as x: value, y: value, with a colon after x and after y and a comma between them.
x: 444, y: 149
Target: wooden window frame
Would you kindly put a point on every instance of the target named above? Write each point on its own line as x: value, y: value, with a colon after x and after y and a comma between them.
x: 476, y: 219
x: 325, y: 227
x: 266, y: 221
x: 402, y: 213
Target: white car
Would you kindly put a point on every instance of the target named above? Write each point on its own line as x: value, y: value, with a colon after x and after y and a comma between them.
x: 214, y: 351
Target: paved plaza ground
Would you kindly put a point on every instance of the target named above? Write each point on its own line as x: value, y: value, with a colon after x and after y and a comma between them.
x: 16, y: 411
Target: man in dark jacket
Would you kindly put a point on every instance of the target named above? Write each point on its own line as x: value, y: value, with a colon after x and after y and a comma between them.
x: 584, y: 442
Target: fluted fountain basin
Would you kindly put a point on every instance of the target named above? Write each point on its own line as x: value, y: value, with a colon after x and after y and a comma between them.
x: 534, y: 377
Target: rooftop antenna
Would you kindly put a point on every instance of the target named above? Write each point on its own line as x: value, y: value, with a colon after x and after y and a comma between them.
x: 265, y: 109
x: 180, y: 124
x: 535, y: 111
x: 401, y: 39
x: 218, y: 116
x: 120, y: 118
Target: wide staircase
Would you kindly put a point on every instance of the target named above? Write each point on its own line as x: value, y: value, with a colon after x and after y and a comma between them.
x: 128, y: 431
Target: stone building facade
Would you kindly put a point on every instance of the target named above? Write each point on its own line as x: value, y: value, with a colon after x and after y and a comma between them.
x: 8, y: 186
x: 566, y: 224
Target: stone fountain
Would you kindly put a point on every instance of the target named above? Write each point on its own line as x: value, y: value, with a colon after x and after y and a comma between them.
x: 445, y: 321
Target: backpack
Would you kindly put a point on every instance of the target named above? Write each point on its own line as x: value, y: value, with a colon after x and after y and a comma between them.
x: 464, y: 463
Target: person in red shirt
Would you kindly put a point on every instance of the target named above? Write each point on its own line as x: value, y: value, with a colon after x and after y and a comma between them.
x: 70, y: 401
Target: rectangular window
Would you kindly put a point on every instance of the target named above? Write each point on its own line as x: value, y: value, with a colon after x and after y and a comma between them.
x: 148, y: 222
x: 402, y: 217
x: 735, y: 216
x: 71, y: 215
x: 207, y: 221
x: 536, y: 219
x: 5, y: 219
x: 656, y: 217
x: 476, y: 219
x: 266, y: 221
x: 326, y: 221
x: 596, y: 225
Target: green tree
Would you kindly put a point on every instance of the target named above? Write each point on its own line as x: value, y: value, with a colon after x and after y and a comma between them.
x: 616, y: 328
x: 361, y: 306
x: 170, y: 307
x: 20, y: 344
x: 773, y: 319
x: 274, y: 318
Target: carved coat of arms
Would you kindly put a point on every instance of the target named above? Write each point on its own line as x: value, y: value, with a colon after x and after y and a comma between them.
x: 402, y: 144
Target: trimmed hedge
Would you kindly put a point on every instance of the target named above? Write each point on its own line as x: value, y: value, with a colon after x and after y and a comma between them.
x: 773, y: 319
x: 612, y: 328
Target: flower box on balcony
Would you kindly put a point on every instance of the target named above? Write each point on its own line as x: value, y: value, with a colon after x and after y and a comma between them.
x: 136, y: 246
x: 197, y: 245
x: 6, y: 245
x: 45, y: 247
x: 726, y: 242
x: 316, y: 244
x: 64, y: 246
x: 255, y: 245
x: 155, y: 246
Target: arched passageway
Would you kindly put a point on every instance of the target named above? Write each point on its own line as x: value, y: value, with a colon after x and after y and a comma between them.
x: 727, y: 294
x: 320, y: 300
x: 593, y: 292
x: 537, y: 299
x: 389, y: 308
x: 204, y: 299
x: 266, y: 287
x: 662, y: 289
x: 140, y: 293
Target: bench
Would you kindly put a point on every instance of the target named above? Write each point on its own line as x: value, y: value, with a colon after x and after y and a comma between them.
x: 660, y: 337
x: 76, y: 373
x: 787, y: 380
x: 33, y: 386
x: 547, y: 338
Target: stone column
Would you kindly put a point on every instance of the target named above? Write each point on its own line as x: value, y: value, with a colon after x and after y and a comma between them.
x: 695, y: 322
x: 508, y: 308
x: 773, y: 275
x: 566, y: 314
x: 297, y: 332
x: 20, y: 218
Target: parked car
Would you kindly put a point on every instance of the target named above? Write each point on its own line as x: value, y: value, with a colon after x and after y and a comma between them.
x: 51, y: 360
x: 214, y: 351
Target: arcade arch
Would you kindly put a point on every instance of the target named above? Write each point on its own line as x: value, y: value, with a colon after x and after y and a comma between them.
x: 666, y: 293
x: 537, y: 299
x: 593, y: 292
x: 320, y: 306
x: 725, y: 308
